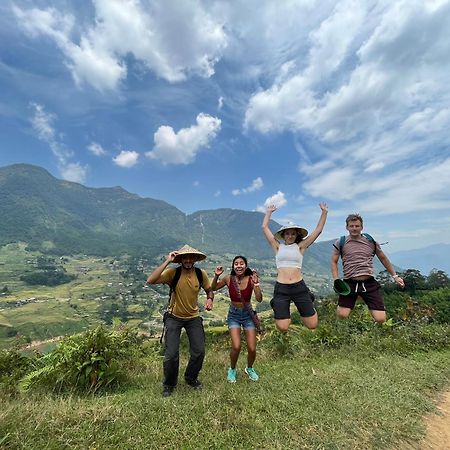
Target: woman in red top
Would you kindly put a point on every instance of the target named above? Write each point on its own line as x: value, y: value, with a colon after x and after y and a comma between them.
x: 241, y: 282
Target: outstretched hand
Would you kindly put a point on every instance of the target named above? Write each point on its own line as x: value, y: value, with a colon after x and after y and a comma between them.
x: 218, y: 271
x: 271, y: 209
x: 323, y: 206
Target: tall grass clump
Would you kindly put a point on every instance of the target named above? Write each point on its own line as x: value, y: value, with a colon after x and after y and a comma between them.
x: 13, y: 366
x: 86, y: 362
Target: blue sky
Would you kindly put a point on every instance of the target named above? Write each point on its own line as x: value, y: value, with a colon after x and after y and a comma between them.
x: 218, y: 104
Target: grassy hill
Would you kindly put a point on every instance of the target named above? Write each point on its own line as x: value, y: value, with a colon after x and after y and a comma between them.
x: 366, y: 390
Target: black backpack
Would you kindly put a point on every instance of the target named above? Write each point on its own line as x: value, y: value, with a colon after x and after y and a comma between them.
x: 173, y: 285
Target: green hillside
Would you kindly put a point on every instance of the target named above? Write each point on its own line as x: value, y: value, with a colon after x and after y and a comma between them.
x: 64, y: 218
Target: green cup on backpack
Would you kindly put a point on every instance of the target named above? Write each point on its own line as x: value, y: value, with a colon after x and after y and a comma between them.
x: 341, y: 287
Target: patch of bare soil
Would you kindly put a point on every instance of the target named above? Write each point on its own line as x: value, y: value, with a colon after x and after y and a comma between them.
x: 438, y: 428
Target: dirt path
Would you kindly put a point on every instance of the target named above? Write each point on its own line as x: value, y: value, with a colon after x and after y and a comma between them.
x: 438, y: 428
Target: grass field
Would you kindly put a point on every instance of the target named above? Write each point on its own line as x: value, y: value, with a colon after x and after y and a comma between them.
x: 352, y: 397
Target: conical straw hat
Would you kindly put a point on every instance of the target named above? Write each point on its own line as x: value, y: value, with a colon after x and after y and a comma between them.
x: 188, y: 250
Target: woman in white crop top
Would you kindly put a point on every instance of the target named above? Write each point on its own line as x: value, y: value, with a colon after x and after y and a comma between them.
x: 290, y: 286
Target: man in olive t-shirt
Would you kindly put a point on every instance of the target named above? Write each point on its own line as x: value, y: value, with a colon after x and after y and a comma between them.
x: 183, y: 313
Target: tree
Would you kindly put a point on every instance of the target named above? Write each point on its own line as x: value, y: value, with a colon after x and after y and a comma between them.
x: 414, y: 281
x: 438, y: 279
x: 386, y: 281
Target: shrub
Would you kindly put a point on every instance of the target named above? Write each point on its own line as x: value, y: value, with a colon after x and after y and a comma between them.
x: 13, y: 366
x: 88, y: 362
x: 439, y: 301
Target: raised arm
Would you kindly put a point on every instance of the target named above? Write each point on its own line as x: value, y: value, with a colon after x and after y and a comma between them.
x: 155, y: 276
x: 216, y: 284
x: 256, y: 287
x: 266, y: 230
x: 389, y: 267
x: 315, y: 234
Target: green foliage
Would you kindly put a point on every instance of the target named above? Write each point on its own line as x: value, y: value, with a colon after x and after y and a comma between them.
x: 439, y: 301
x: 285, y: 344
x: 427, y: 306
x: 13, y: 366
x: 47, y: 278
x: 88, y: 362
x: 438, y: 279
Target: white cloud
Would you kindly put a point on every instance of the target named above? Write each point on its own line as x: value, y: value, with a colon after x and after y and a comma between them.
x: 43, y: 124
x: 420, y: 188
x: 182, y: 147
x: 172, y: 39
x: 74, y: 172
x: 257, y: 184
x: 220, y: 103
x: 126, y: 158
x: 96, y: 149
x: 372, y: 98
x: 372, y: 44
x: 277, y: 199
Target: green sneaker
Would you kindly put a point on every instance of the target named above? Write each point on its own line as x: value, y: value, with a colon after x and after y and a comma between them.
x: 231, y: 376
x: 251, y: 373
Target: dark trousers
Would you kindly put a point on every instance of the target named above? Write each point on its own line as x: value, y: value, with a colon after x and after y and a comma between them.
x: 196, y: 336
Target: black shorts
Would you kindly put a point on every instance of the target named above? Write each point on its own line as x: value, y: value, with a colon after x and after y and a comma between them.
x: 283, y: 294
x: 369, y: 290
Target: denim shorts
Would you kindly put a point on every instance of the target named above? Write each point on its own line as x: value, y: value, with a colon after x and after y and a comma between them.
x: 238, y: 317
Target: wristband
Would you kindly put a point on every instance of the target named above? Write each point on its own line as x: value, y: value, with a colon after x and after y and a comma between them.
x: 395, y: 276
x: 255, y: 284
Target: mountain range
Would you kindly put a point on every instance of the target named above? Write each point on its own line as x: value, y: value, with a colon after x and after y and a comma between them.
x: 62, y: 217
x: 425, y: 259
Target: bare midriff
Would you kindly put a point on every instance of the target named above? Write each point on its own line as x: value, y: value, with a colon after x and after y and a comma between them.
x: 361, y: 277
x: 237, y: 305
x: 289, y: 275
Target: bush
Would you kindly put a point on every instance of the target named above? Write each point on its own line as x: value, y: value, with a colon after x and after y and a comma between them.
x: 13, y: 366
x: 88, y: 362
x: 439, y: 301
